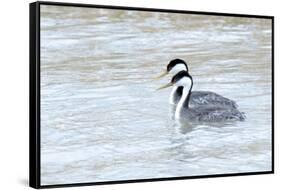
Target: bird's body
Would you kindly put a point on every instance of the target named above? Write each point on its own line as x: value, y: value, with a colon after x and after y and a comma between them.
x: 201, y: 98
x: 209, y: 114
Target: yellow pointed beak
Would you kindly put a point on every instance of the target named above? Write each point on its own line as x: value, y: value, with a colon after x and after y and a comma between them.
x: 165, y: 86
x: 161, y: 75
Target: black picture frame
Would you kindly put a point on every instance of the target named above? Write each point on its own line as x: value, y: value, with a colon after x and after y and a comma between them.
x: 34, y: 93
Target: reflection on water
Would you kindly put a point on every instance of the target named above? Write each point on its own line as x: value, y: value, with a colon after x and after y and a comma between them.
x: 102, y: 119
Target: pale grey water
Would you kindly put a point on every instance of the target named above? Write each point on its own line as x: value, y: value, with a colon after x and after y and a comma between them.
x: 101, y: 118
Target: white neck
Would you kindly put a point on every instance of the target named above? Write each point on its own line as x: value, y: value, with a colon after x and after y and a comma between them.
x: 185, y: 93
x: 186, y: 83
x: 178, y: 67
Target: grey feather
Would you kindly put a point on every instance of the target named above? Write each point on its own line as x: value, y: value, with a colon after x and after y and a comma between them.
x: 213, y: 114
x: 202, y: 98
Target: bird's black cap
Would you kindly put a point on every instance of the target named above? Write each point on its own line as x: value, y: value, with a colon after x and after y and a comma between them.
x: 179, y: 76
x: 174, y: 62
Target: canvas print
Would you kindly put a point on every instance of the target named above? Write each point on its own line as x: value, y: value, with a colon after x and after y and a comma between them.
x: 134, y: 94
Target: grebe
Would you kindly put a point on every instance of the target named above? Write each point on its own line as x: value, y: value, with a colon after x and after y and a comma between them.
x: 197, y: 98
x: 200, y: 113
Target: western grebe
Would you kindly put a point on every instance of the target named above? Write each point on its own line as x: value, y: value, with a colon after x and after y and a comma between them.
x: 197, y: 98
x: 199, y: 113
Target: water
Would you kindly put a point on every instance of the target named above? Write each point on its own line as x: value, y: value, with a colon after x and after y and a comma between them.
x: 102, y: 119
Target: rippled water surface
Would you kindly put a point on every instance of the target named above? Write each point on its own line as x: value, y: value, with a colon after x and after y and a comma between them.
x: 101, y: 118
